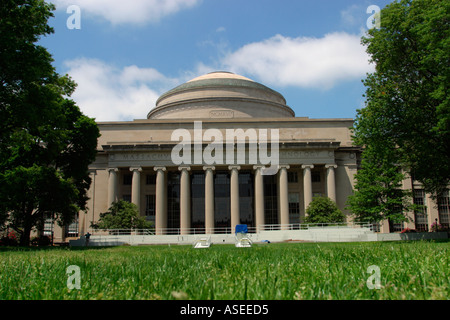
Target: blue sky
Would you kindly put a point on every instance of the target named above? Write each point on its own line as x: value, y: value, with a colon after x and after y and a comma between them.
x: 127, y: 53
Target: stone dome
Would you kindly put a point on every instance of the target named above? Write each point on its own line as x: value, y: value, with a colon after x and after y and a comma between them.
x: 221, y: 95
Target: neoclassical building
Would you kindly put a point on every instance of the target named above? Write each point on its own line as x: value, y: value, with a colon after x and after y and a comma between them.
x: 198, y: 163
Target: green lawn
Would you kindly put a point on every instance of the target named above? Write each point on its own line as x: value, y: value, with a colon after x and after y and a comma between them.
x: 408, y: 270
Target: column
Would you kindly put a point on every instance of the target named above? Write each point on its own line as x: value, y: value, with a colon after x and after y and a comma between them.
x: 160, y: 203
x: 307, y: 184
x: 432, y: 210
x: 331, y: 181
x: 85, y: 222
x: 112, y: 186
x: 259, y: 197
x: 284, y: 196
x: 185, y: 200
x: 136, y: 187
x: 209, y: 199
x: 234, y: 196
x: 384, y: 226
x: 408, y: 184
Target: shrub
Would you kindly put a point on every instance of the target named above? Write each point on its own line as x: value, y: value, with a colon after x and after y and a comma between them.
x: 9, y: 239
x: 408, y: 230
x: 122, y: 215
x: 41, y: 241
x: 436, y: 227
x: 323, y: 210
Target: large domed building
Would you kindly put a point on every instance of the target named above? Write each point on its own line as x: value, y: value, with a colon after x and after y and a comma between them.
x: 218, y: 151
x: 221, y: 94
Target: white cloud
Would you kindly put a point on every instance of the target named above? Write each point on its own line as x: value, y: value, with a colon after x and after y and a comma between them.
x: 303, y: 62
x: 128, y: 12
x: 107, y: 93
x: 110, y: 93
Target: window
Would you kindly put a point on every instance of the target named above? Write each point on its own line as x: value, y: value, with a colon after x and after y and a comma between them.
x: 72, y: 228
x: 48, y: 226
x: 150, y: 205
x: 294, y: 208
x: 222, y: 200
x: 173, y: 201
x: 315, y: 176
x: 246, y: 191
x: 127, y: 179
x: 270, y: 199
x: 395, y: 226
x: 317, y: 194
x: 198, y: 201
x: 292, y: 177
x: 444, y: 208
x: 150, y: 179
x: 420, y: 215
x: 126, y: 197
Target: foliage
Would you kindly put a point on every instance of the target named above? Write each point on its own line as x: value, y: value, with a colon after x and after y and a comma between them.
x: 46, y: 143
x: 408, y: 230
x: 436, y: 227
x: 407, y: 100
x: 9, y: 239
x: 378, y: 190
x: 323, y: 210
x: 41, y: 241
x: 122, y: 215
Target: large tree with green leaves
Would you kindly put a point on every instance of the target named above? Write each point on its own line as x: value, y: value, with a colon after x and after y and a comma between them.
x: 46, y: 143
x: 379, y: 194
x: 406, y: 121
x: 407, y: 112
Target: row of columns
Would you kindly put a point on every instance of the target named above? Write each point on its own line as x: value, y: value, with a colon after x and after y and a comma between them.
x: 185, y: 185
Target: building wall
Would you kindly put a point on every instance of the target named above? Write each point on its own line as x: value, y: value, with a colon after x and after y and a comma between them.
x: 147, y: 144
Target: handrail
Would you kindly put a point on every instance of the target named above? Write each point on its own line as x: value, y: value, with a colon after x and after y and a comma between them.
x: 307, y: 226
x: 228, y: 230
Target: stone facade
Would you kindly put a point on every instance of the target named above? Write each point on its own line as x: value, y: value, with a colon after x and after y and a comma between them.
x: 135, y: 161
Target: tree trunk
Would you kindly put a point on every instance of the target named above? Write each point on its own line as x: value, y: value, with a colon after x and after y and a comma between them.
x: 27, y: 226
x: 25, y: 237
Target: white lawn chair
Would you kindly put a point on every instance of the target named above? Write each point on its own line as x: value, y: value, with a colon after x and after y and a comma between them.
x: 242, y: 238
x: 202, y: 243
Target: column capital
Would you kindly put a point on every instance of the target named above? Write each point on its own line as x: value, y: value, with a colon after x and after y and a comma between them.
x: 234, y: 167
x: 159, y: 168
x: 187, y: 168
x: 209, y: 168
x: 256, y: 167
x: 136, y: 169
x: 332, y: 165
x: 305, y: 166
x: 113, y: 169
x: 284, y: 166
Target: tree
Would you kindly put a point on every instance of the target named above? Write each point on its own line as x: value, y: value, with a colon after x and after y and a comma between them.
x: 122, y: 215
x: 46, y: 143
x: 378, y: 190
x: 407, y: 100
x: 323, y: 210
